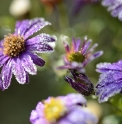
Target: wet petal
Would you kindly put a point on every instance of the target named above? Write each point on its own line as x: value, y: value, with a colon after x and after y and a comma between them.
x: 27, y: 77
x: 114, y: 6
x: 36, y: 59
x: 40, y: 48
x: 28, y: 64
x: 104, y: 67
x: 108, y: 78
x: 6, y: 74
x: 36, y: 26
x: 110, y: 91
x: 44, y: 38
x: 3, y: 59
x: 110, y: 83
x: 19, y: 71
x: 1, y: 83
x: 21, y: 27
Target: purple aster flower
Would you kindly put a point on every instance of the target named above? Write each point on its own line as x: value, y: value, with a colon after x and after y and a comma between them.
x: 18, y: 51
x: 79, y: 56
x: 115, y: 7
x: 110, y: 81
x: 80, y: 83
x: 62, y: 110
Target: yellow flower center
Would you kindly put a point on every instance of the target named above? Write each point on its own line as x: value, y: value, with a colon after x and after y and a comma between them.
x: 54, y: 109
x: 13, y: 45
x: 76, y: 57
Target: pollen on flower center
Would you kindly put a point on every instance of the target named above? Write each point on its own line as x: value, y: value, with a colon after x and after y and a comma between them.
x: 76, y: 57
x: 13, y: 45
x: 54, y: 109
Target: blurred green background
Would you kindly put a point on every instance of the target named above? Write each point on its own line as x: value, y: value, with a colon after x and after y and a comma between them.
x: 92, y: 20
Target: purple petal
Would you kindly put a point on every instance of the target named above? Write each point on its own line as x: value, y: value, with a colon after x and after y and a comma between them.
x: 3, y: 59
x: 92, y: 57
x: 109, y: 92
x: 107, y: 2
x: 63, y: 67
x: 74, y: 99
x: 6, y: 74
x: 28, y: 64
x: 97, y: 54
x: 36, y: 26
x: 108, y: 78
x: 40, y: 48
x: 65, y: 121
x: 115, y: 7
x: 74, y: 118
x: 104, y: 67
x: 1, y: 44
x: 17, y: 25
x: 117, y: 10
x: 36, y: 59
x: 44, y: 38
x: 92, y: 48
x: 73, y: 42
x: 19, y: 71
x: 37, y: 116
x: 34, y: 116
x: 27, y: 77
x: 86, y: 46
x: 21, y: 27
x: 110, y: 83
x: 1, y: 84
x: 77, y: 45
x: 66, y: 46
x: 119, y: 63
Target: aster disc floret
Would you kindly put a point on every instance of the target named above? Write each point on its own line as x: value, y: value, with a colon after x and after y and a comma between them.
x: 77, y: 56
x: 62, y: 110
x: 80, y: 82
x: 110, y: 81
x: 114, y: 6
x: 18, y: 51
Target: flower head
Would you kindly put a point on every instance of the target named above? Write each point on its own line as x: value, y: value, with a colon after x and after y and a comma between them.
x: 80, y: 83
x: 18, y: 51
x: 62, y: 110
x: 114, y: 6
x: 79, y: 56
x: 110, y: 82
